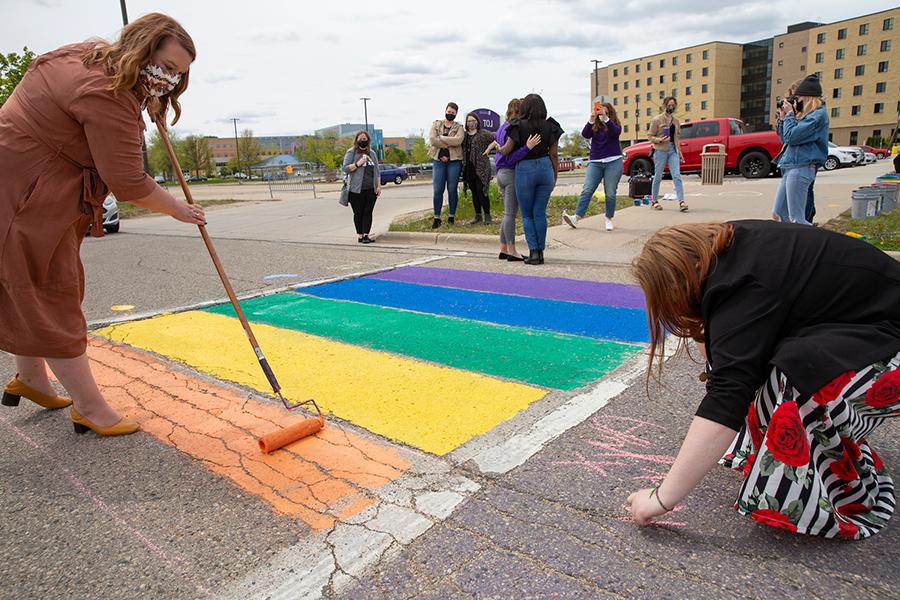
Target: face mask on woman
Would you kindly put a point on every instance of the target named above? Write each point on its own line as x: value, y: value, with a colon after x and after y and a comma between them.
x: 670, y: 110
x: 362, y: 143
x: 158, y: 81
x: 449, y: 116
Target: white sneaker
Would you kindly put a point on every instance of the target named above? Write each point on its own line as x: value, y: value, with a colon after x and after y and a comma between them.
x: 609, y: 225
x: 571, y: 220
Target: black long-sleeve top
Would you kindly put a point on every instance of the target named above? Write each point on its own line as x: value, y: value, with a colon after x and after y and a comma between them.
x: 812, y: 302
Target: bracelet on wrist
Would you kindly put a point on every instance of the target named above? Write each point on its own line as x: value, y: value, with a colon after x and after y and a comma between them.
x: 655, y: 493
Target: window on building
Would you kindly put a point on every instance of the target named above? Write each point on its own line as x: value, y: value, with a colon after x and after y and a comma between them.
x: 649, y: 96
x: 625, y: 114
x: 839, y: 54
x: 838, y: 73
x: 883, y: 66
x: 857, y: 90
x: 778, y: 81
x: 649, y: 65
x: 803, y: 49
x: 820, y: 39
x: 687, y: 91
x: 802, y: 68
x: 855, y: 110
x: 835, y: 111
x: 615, y: 101
x: 674, y: 76
x: 781, y: 44
x: 860, y: 70
x: 649, y: 81
x: 625, y: 71
x: 705, y: 71
x: 662, y: 78
x: 626, y: 129
x: 887, y: 24
x: 842, y: 34
x: 836, y: 93
x: 637, y: 83
x: 876, y: 132
x: 615, y: 72
x: 864, y: 29
x: 861, y: 50
x: 625, y: 100
x: 650, y: 111
x: 647, y: 127
x: 780, y: 63
x: 687, y: 106
x: 703, y: 105
x: 615, y: 87
x: 625, y: 85
x: 881, y: 87
x: 879, y: 108
x: 662, y: 63
x: 885, y: 45
x: 704, y: 88
x: 688, y: 74
x: 674, y: 61
x: 854, y: 137
x: 706, y: 55
x: 820, y: 57
x: 689, y: 58
x: 637, y: 68
x: 662, y: 94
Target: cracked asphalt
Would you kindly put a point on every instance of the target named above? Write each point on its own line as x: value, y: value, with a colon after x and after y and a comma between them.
x: 142, y: 517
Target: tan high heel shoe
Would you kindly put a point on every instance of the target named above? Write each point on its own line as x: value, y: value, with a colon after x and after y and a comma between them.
x: 123, y: 427
x: 15, y: 389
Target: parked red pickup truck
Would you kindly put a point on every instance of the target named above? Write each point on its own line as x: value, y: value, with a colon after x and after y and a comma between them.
x: 749, y: 154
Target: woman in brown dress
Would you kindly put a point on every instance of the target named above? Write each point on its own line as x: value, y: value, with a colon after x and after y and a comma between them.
x: 70, y: 134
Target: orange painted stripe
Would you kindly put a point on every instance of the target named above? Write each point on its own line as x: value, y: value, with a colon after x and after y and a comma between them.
x: 320, y: 479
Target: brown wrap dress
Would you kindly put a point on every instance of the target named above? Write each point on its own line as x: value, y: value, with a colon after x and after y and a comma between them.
x: 65, y: 142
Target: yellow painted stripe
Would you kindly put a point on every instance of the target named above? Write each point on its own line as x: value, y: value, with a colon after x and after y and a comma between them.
x: 433, y: 408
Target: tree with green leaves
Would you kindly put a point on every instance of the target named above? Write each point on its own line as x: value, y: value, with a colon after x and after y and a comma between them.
x: 419, y: 150
x: 158, y: 158
x: 197, y: 155
x: 574, y: 144
x: 12, y: 69
x: 392, y: 154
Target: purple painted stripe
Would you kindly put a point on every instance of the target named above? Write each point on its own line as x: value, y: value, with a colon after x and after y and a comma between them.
x: 549, y: 288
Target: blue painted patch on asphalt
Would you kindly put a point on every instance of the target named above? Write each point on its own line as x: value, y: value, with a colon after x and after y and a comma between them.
x: 589, y: 320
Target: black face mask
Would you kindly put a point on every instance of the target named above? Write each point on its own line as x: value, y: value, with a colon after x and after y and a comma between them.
x: 362, y: 143
x: 449, y: 116
x: 670, y: 110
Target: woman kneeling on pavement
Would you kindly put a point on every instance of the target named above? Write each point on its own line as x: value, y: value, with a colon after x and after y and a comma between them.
x: 70, y: 133
x: 361, y: 164
x: 801, y: 331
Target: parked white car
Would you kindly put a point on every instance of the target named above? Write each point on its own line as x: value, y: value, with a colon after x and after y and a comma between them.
x: 842, y: 156
x: 870, y: 158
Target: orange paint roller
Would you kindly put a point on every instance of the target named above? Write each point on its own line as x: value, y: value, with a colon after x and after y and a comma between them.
x: 282, y: 437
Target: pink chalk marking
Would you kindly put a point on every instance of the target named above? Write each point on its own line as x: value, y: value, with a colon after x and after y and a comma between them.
x: 99, y: 503
x: 678, y: 508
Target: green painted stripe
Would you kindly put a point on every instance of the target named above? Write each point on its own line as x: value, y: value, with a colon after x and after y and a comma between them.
x: 542, y: 358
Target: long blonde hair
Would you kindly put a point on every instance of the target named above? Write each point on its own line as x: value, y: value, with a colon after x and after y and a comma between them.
x: 124, y: 59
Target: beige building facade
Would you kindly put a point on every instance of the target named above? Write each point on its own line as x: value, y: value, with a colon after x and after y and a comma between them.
x: 854, y: 59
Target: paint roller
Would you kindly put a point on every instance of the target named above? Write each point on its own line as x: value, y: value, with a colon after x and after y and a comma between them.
x: 282, y: 437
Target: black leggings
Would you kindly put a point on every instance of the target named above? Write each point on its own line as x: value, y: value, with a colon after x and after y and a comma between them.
x: 479, y: 198
x: 363, y: 204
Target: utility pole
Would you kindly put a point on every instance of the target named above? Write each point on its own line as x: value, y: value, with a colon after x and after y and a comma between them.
x: 237, y: 150
x: 637, y: 114
x: 596, y: 78
x: 366, y: 112
x: 143, y: 141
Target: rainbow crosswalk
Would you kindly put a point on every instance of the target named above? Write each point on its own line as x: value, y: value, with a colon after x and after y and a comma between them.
x: 425, y: 356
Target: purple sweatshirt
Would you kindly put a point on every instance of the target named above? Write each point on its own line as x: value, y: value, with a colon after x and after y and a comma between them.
x: 603, y: 143
x: 508, y: 161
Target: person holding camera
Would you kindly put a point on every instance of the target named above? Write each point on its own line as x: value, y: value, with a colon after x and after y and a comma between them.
x: 361, y: 165
x: 665, y: 133
x: 803, y: 129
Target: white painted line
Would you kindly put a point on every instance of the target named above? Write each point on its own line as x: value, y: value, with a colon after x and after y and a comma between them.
x: 511, y: 453
x: 200, y: 305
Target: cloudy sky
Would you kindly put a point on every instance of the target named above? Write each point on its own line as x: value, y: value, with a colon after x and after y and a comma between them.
x: 288, y: 67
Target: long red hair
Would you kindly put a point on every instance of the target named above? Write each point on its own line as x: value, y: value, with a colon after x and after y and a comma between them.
x: 672, y: 269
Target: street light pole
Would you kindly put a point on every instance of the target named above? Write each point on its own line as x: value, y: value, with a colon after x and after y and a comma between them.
x: 237, y: 150
x: 596, y: 78
x: 366, y: 112
x: 637, y: 114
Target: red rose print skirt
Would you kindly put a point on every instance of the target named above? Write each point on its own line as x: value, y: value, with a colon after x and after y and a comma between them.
x: 807, y: 465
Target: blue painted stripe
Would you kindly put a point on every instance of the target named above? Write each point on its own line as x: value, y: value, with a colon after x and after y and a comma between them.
x: 589, y: 320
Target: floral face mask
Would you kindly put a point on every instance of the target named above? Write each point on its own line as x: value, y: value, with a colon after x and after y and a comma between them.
x: 158, y: 80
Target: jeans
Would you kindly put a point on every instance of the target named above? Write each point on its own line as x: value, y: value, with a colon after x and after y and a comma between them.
x: 506, y: 180
x: 534, y: 182
x: 610, y: 173
x: 811, y: 202
x: 793, y: 193
x: 445, y: 174
x: 660, y: 159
